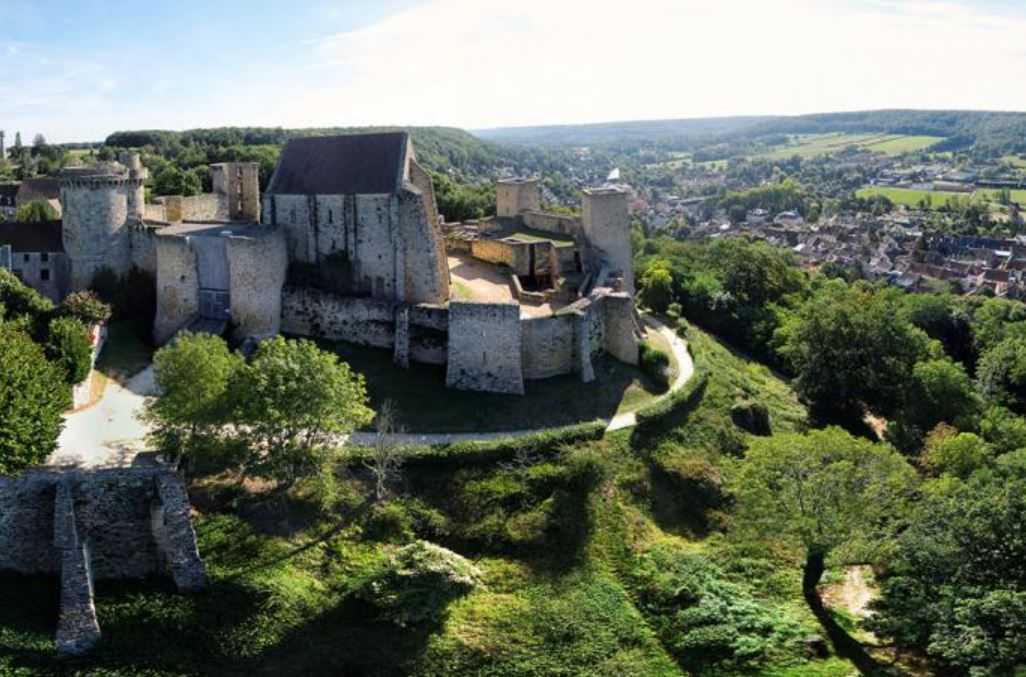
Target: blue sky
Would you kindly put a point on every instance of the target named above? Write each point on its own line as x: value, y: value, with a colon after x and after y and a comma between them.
x: 77, y: 70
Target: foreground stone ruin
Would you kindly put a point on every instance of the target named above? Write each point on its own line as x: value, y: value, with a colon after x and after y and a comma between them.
x: 87, y: 526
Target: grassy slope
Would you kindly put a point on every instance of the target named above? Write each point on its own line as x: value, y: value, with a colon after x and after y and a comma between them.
x: 280, y: 598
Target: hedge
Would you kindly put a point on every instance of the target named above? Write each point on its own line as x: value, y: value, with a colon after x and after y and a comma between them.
x: 545, y: 442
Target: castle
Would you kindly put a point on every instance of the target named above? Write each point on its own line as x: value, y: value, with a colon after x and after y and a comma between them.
x: 347, y: 244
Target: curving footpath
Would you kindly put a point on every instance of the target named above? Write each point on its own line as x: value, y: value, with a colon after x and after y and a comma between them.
x: 109, y: 433
x: 685, y: 370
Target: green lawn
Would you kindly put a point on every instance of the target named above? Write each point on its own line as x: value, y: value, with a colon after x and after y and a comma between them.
x: 126, y: 352
x: 426, y: 405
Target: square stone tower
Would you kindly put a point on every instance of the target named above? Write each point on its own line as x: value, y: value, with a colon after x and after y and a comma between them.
x: 514, y: 196
x: 240, y: 181
x: 607, y: 228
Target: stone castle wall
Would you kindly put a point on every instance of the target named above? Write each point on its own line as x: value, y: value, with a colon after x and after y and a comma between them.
x: 257, y: 267
x: 427, y: 268
x: 364, y: 321
x: 547, y: 346
x: 143, y: 241
x: 485, y: 348
x: 205, y: 207
x: 552, y: 223
x: 177, y: 286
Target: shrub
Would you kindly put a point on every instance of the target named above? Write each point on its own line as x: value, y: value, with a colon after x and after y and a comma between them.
x: 654, y: 362
x: 68, y: 346
x: 86, y: 307
x: 416, y: 583
x: 751, y: 417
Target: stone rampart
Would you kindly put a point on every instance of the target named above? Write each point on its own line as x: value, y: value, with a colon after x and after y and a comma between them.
x: 485, y: 351
x: 547, y: 346
x: 205, y: 207
x: 177, y: 286
x: 257, y: 267
x: 551, y: 223
x: 319, y: 314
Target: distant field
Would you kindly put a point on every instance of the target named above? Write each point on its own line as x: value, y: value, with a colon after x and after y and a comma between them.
x: 912, y: 198
x: 810, y: 145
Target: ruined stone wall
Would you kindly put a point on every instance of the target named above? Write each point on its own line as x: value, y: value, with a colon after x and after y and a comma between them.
x: 552, y: 223
x: 311, y: 312
x: 257, y: 267
x: 205, y: 207
x: 177, y: 286
x: 26, y: 524
x: 113, y: 513
x: 547, y: 346
x: 95, y: 234
x: 85, y: 525
x: 485, y: 351
x: 515, y: 255
x: 155, y: 211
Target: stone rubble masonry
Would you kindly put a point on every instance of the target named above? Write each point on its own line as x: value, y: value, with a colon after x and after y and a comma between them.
x: 514, y: 196
x: 111, y: 523
x: 558, y: 224
x: 606, y: 227
x: 485, y: 348
x: 239, y: 182
x: 401, y: 353
x: 175, y: 537
x: 96, y: 212
x: 177, y: 287
x: 78, y: 629
x: 257, y: 267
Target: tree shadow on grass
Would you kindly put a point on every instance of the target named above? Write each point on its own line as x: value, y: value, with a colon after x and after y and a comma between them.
x: 346, y: 640
x: 844, y: 644
x: 28, y: 620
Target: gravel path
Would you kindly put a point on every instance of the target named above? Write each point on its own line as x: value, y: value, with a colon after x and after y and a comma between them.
x: 109, y: 433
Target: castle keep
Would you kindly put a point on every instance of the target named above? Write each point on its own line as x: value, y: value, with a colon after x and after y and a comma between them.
x: 347, y: 244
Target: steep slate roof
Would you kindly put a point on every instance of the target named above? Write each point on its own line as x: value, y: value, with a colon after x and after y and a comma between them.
x: 357, y: 164
x: 46, y: 236
x: 42, y: 188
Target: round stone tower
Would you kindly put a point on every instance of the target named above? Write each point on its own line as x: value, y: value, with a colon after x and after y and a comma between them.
x: 137, y: 174
x: 98, y: 204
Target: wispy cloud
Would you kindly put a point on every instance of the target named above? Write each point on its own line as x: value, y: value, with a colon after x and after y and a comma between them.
x: 479, y: 63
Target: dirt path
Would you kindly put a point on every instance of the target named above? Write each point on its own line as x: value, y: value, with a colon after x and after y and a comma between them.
x: 853, y: 593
